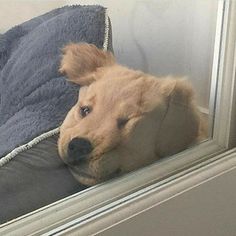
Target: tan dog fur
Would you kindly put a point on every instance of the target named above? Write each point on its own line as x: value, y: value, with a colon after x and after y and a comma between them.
x: 162, y: 118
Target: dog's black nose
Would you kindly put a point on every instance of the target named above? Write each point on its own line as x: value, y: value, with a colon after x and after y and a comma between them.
x: 79, y: 148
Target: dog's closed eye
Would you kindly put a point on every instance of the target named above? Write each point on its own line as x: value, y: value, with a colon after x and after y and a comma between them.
x: 84, y: 111
x: 121, y: 122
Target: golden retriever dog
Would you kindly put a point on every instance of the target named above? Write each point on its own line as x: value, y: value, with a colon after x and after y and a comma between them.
x: 124, y: 119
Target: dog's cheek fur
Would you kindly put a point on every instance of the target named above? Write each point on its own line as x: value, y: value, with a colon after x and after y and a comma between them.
x: 139, y: 147
x: 104, y: 140
x: 106, y: 165
x: 101, y: 169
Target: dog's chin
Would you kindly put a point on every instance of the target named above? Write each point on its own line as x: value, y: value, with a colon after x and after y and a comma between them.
x: 83, y: 177
x: 104, y: 168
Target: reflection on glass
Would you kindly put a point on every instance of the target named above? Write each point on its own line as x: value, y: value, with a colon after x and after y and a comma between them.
x: 124, y: 118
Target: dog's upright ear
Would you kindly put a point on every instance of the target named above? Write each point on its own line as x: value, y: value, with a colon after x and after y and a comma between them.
x: 80, y: 62
x: 181, y: 120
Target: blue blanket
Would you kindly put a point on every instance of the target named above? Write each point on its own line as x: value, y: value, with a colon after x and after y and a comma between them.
x: 34, y: 97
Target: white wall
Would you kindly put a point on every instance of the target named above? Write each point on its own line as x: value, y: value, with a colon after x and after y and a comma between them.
x: 157, y: 36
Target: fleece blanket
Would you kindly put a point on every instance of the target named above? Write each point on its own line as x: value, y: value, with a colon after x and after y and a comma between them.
x: 34, y: 97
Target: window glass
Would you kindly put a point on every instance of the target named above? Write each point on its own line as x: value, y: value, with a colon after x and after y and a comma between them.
x: 164, y: 38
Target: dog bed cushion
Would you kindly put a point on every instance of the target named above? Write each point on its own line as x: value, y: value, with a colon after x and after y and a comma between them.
x: 34, y: 100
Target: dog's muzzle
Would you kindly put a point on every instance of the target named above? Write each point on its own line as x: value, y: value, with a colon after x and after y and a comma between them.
x: 78, y: 150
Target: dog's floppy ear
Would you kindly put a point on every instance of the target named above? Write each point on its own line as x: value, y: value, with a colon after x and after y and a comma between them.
x: 180, y: 120
x: 80, y: 61
x: 155, y: 92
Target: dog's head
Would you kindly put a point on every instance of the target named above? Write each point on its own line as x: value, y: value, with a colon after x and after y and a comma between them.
x: 124, y: 119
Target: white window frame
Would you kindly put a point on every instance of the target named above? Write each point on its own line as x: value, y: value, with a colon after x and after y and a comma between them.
x: 82, y: 210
